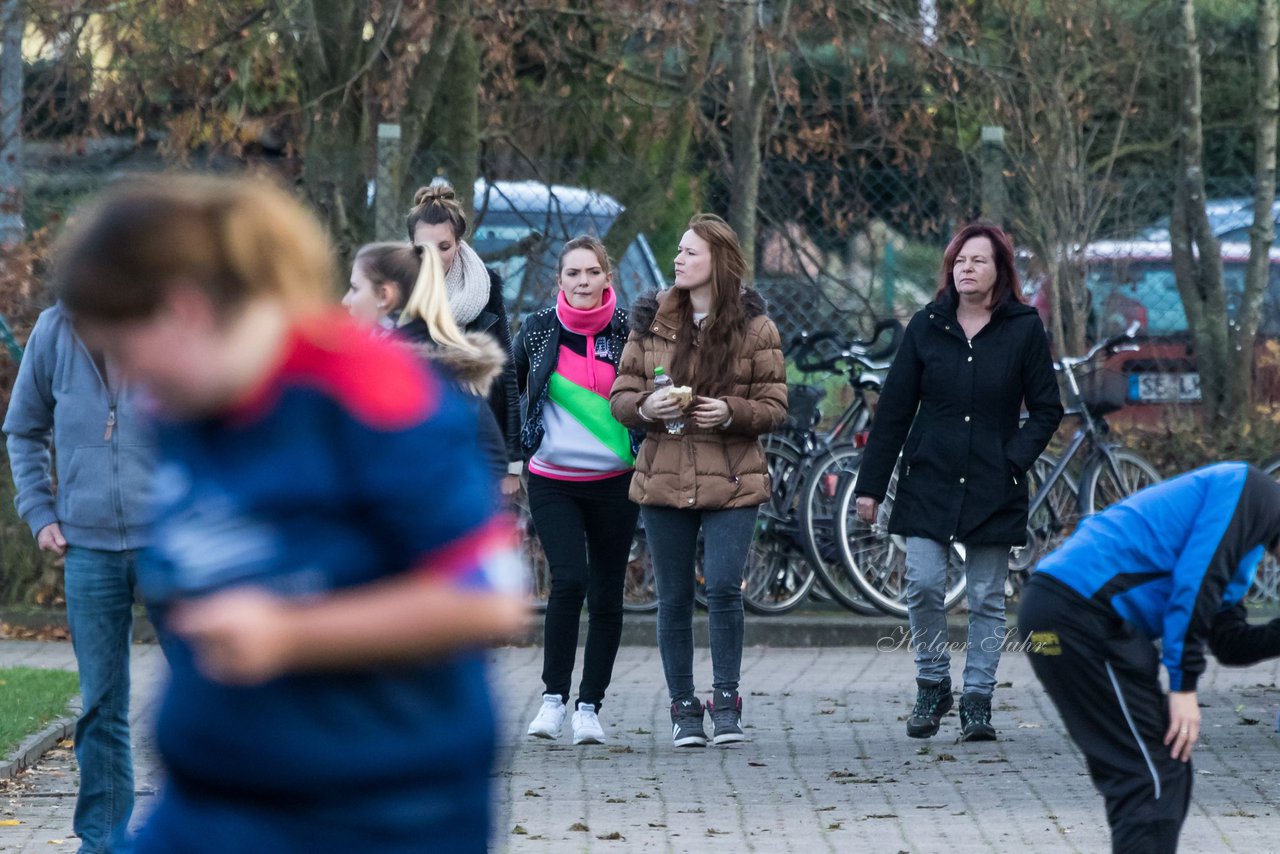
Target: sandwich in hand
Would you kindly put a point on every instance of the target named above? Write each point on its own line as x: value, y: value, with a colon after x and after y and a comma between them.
x: 682, y: 395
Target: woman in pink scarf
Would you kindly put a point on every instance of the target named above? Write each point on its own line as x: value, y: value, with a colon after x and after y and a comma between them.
x: 580, y: 462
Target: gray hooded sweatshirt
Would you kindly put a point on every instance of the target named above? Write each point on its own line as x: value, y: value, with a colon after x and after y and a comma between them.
x: 104, y: 449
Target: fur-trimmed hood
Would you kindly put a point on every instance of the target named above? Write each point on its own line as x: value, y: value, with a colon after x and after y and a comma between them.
x: 645, y: 308
x: 475, y: 371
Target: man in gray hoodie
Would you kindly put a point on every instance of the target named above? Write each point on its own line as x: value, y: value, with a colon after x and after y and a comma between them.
x: 67, y: 398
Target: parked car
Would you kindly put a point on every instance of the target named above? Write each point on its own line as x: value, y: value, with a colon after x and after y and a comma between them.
x: 508, y: 212
x: 1230, y: 220
x: 1133, y: 280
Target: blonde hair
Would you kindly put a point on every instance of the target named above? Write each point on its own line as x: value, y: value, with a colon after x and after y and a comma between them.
x: 235, y: 239
x: 429, y: 303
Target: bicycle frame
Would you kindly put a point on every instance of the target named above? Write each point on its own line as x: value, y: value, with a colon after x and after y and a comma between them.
x: 1093, y: 428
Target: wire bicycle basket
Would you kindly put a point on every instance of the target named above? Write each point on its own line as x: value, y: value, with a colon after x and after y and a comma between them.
x: 1102, y: 389
x: 803, y: 412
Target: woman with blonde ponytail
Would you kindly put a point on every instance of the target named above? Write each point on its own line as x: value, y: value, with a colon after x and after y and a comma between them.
x: 473, y: 294
x: 426, y: 315
x: 415, y: 310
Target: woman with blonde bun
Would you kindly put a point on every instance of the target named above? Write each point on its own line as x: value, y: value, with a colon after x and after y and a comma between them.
x: 475, y: 299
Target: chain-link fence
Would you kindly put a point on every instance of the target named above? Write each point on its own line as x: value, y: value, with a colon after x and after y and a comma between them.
x: 838, y: 244
x: 834, y: 249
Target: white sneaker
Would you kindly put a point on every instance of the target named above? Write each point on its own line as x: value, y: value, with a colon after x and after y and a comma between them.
x: 550, y: 719
x: 586, y: 725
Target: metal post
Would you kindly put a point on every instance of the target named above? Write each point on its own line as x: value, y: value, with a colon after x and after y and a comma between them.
x: 387, y: 214
x: 12, y: 25
x: 890, y: 276
x: 994, y: 195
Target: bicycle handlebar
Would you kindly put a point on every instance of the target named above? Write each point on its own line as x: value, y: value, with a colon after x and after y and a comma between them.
x: 804, y: 347
x: 1118, y: 343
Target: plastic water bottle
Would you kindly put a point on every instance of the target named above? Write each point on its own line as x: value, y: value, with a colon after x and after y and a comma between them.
x: 661, y: 381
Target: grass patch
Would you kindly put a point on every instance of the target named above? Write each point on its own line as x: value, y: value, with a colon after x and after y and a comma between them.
x: 29, y: 699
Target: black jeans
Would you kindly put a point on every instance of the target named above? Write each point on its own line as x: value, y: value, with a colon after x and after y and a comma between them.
x: 1104, y: 680
x: 586, y: 529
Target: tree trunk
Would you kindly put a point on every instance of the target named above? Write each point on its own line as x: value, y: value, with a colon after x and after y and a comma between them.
x: 1240, y: 373
x: 12, y: 24
x: 648, y: 192
x: 435, y: 76
x: 747, y: 108
x: 457, y: 115
x: 1197, y: 260
x: 336, y: 129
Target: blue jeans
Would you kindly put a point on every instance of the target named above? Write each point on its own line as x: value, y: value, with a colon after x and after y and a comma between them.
x: 673, y: 541
x: 986, y: 568
x: 100, y: 586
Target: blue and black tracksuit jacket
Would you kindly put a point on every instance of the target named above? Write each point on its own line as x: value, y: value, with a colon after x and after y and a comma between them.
x: 1176, y: 559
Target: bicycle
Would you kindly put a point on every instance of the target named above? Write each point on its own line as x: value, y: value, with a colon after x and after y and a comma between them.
x: 876, y: 561
x: 793, y: 540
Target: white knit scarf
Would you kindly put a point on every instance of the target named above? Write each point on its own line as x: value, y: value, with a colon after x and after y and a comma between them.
x: 467, y: 285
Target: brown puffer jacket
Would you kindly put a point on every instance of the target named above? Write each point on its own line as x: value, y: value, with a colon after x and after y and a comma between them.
x: 716, y: 469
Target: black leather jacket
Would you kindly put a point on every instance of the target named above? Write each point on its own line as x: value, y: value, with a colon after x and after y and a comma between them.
x: 536, y: 348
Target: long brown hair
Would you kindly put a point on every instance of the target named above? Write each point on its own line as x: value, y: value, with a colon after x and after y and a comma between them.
x: 704, y: 357
x: 1007, y: 286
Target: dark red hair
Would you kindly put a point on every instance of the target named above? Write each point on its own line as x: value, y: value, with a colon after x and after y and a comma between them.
x: 1007, y: 286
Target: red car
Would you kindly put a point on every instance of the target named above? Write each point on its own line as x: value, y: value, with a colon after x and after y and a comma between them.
x: 1132, y: 280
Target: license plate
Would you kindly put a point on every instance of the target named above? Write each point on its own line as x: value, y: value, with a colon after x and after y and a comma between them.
x: 1164, y: 388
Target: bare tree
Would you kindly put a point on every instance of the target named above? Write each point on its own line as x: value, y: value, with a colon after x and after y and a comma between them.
x: 1224, y: 343
x: 1262, y: 235
x: 754, y: 33
x: 358, y: 61
x: 1197, y: 259
x: 1065, y: 92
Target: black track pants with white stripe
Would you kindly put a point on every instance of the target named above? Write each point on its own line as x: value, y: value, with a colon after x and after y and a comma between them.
x: 1104, y: 681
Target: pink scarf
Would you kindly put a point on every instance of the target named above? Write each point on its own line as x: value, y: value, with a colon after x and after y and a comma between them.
x: 587, y: 321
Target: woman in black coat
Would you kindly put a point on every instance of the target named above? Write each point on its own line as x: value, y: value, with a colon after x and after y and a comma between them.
x: 968, y: 362
x: 475, y: 299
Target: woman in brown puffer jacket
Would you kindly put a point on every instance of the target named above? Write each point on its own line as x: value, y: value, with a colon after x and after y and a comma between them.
x: 709, y: 333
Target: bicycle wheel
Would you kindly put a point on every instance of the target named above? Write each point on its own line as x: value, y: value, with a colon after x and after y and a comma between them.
x: 1052, y: 522
x: 876, y: 561
x: 777, y: 576
x: 816, y: 502
x: 535, y: 562
x: 1111, y: 476
x: 1266, y: 581
x: 639, y: 590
